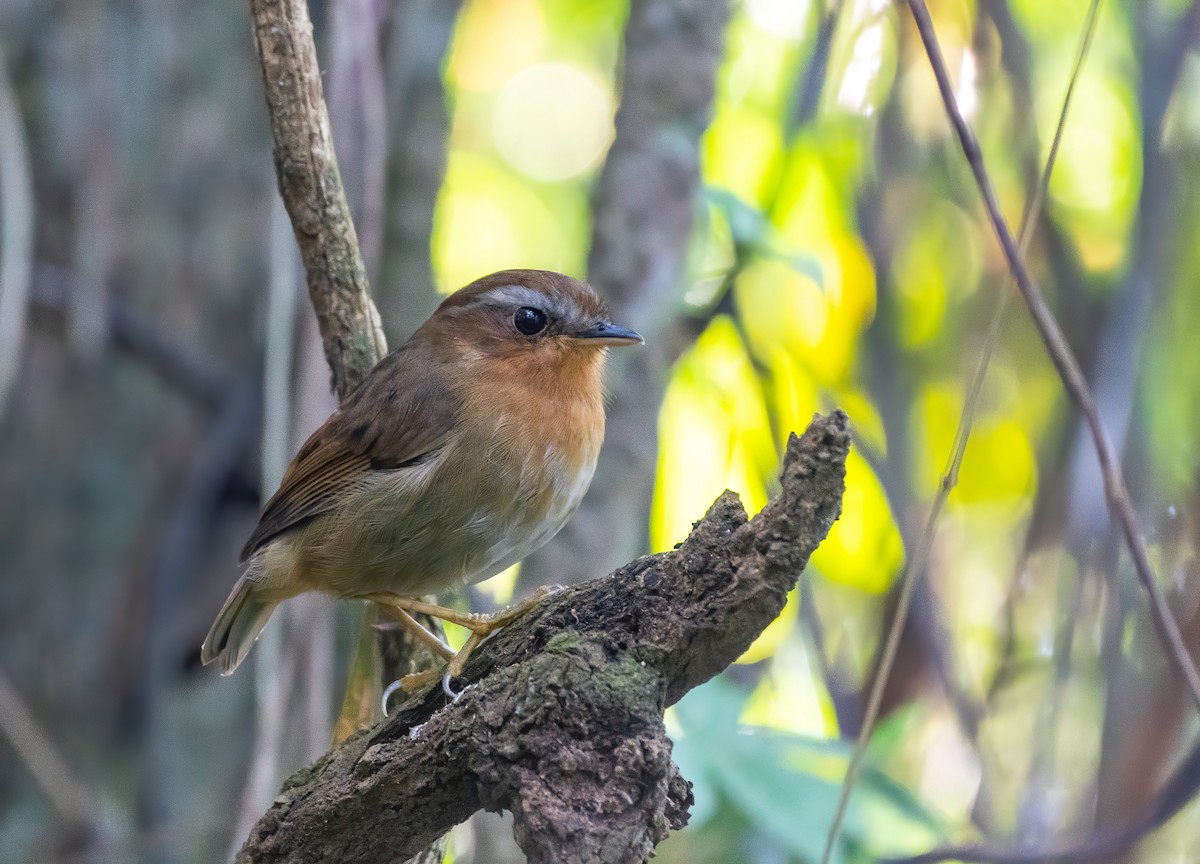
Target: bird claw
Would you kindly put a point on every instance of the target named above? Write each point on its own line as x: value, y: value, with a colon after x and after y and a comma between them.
x: 388, y: 692
x: 489, y: 628
x: 412, y: 683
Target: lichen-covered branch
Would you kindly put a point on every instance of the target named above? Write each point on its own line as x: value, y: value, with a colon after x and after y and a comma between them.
x: 312, y: 191
x: 560, y: 721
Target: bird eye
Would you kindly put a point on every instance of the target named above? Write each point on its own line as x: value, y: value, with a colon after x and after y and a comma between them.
x: 529, y: 320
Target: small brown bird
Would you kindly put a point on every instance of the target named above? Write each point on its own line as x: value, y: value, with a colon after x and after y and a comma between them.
x: 464, y: 450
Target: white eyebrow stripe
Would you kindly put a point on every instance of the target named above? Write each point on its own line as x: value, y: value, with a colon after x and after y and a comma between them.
x: 522, y: 295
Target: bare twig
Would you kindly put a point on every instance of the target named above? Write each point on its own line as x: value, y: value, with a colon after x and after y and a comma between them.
x: 34, y: 748
x: 925, y: 642
x: 1116, y: 491
x: 16, y: 242
x: 1180, y: 787
x: 312, y: 191
x: 916, y: 565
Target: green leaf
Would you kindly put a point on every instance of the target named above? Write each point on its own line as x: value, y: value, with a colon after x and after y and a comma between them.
x: 694, y: 768
x: 788, y: 785
x: 753, y: 235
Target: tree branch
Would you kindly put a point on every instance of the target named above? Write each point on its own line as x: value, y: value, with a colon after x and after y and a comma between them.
x: 560, y: 720
x: 312, y: 191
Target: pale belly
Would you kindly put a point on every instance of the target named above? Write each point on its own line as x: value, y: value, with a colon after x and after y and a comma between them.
x: 403, y: 531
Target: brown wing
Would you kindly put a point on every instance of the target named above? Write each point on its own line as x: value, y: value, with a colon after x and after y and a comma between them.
x: 400, y: 415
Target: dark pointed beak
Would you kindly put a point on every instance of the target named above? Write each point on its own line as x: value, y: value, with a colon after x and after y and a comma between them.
x: 607, y: 333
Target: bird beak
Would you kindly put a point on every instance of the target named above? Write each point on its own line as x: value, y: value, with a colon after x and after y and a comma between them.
x: 607, y: 333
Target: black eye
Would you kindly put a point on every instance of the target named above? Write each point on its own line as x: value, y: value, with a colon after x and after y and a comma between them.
x: 529, y: 320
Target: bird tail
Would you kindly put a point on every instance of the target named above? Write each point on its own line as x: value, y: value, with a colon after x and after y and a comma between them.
x: 238, y: 624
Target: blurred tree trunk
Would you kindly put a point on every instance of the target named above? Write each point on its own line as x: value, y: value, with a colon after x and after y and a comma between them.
x: 643, y: 211
x: 416, y: 38
x: 1134, y: 736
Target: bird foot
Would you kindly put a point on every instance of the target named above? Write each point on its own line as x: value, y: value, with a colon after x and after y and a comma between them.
x: 482, y: 627
x: 417, y: 681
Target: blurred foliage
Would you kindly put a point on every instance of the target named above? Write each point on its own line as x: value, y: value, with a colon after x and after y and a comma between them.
x: 840, y: 259
x: 759, y: 786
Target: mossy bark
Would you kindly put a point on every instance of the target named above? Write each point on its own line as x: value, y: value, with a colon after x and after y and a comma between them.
x: 560, y: 719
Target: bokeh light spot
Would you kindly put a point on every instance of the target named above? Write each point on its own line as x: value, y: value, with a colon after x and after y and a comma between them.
x: 493, y: 41
x: 786, y: 18
x: 553, y: 121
